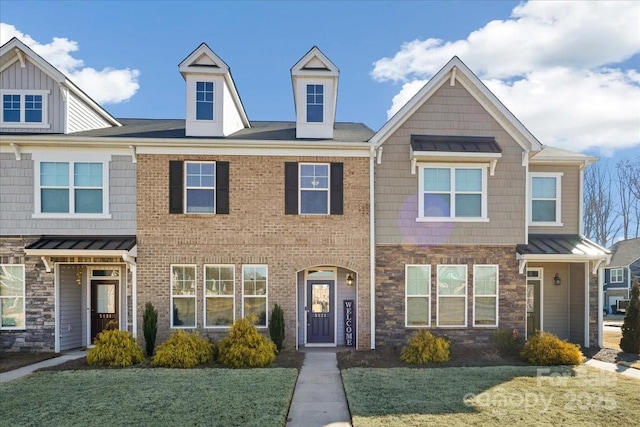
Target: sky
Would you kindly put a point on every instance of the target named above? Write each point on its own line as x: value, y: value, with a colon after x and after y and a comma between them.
x: 568, y: 70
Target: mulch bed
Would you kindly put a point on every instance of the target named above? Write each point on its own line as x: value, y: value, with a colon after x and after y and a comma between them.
x: 11, y: 361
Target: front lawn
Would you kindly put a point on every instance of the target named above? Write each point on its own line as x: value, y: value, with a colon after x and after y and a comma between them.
x: 149, y: 397
x: 496, y: 395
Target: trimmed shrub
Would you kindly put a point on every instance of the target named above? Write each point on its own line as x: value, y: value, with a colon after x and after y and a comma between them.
x: 545, y: 349
x: 507, y: 342
x: 423, y: 347
x: 115, y: 348
x: 150, y: 327
x: 630, y: 342
x: 183, y: 350
x: 245, y: 347
x: 276, y: 326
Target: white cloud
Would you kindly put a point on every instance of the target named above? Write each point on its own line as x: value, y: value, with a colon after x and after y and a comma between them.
x: 107, y: 86
x: 556, y: 65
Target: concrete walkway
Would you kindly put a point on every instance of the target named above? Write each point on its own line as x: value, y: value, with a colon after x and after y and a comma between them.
x: 319, y: 398
x: 624, y: 370
x: 26, y: 370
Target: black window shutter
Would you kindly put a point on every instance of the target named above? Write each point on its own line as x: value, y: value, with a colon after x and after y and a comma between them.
x: 176, y: 190
x: 336, y: 207
x: 222, y: 187
x: 291, y: 188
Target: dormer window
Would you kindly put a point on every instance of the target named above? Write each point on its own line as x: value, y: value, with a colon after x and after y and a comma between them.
x: 204, y: 100
x: 24, y: 108
x: 315, y: 103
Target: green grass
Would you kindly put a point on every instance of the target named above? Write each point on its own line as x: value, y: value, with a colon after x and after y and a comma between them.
x: 502, y: 395
x: 149, y: 397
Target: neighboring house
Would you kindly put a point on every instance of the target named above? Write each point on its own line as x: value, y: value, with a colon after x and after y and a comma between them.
x: 67, y: 211
x: 478, y: 225
x: 473, y: 225
x: 621, y: 272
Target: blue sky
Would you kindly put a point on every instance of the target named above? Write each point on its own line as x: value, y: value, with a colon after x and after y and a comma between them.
x: 570, y: 71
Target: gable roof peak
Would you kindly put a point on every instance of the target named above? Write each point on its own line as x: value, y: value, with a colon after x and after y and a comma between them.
x: 315, y: 62
x: 203, y: 60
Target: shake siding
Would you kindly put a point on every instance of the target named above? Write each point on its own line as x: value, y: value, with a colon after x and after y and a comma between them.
x: 17, y: 201
x: 450, y: 111
x: 82, y: 117
x: 570, y: 194
x: 31, y: 77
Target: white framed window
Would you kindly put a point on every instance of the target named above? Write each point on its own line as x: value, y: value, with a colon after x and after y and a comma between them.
x: 456, y: 192
x: 183, y: 296
x: 485, y: 295
x: 314, y: 188
x: 200, y: 188
x: 315, y: 103
x: 254, y: 292
x: 545, y: 203
x: 452, y: 295
x: 204, y: 100
x: 417, y: 295
x: 71, y: 188
x: 24, y: 108
x: 12, y: 296
x: 617, y: 275
x: 219, y: 292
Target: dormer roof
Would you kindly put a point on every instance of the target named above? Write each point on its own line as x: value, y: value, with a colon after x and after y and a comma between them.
x: 203, y: 60
x: 456, y: 71
x: 315, y: 63
x: 15, y: 50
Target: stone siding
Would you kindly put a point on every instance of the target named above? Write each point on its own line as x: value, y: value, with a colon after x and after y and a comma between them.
x: 390, y: 290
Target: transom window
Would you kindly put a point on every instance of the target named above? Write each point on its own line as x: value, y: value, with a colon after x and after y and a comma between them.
x: 218, y: 295
x: 183, y: 296
x: 12, y: 309
x: 314, y: 188
x: 72, y: 187
x: 485, y: 295
x: 617, y: 275
x: 254, y: 293
x: 25, y: 108
x: 204, y: 100
x: 201, y: 187
x: 315, y: 103
x: 545, y: 198
x: 452, y: 193
x: 452, y: 295
x: 418, y: 290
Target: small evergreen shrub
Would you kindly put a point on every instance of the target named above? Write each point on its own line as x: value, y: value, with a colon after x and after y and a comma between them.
x: 276, y: 326
x: 150, y: 327
x: 630, y: 342
x: 114, y: 348
x: 545, y: 349
x: 507, y: 342
x: 423, y: 347
x: 183, y: 350
x: 245, y: 347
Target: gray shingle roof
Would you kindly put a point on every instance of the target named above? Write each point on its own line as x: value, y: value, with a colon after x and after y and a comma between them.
x: 625, y: 252
x: 259, y: 130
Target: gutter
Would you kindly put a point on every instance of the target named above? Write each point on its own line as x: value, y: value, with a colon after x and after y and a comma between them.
x: 372, y: 248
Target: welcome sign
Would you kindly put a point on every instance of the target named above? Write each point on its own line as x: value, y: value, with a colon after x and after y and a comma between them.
x: 349, y: 323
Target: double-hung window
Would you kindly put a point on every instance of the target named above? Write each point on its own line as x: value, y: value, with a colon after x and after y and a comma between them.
x: 314, y: 188
x: 197, y: 187
x: 417, y: 294
x: 183, y: 296
x: 24, y: 108
x: 452, y: 295
x: 545, y: 199
x: 617, y: 275
x: 200, y: 187
x: 485, y: 295
x: 315, y: 103
x: 12, y: 291
x: 219, y: 283
x: 452, y: 193
x: 254, y: 293
x: 76, y: 188
x: 204, y: 100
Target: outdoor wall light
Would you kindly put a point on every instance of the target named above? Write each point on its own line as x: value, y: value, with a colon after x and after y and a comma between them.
x: 350, y: 280
x: 556, y: 280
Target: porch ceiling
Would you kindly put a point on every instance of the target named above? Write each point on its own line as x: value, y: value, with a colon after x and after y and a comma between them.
x: 561, y: 245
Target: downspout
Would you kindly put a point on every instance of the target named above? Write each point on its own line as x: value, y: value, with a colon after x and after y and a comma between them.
x: 131, y: 263
x: 372, y: 249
